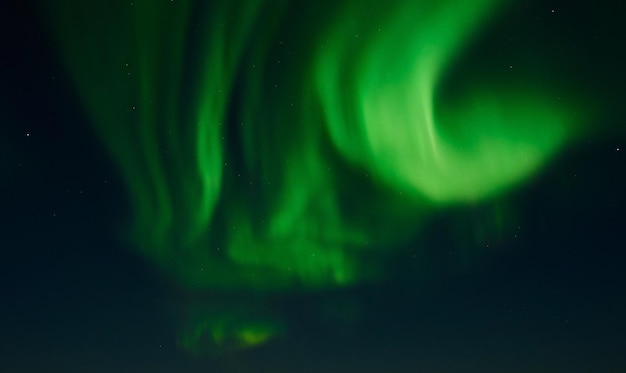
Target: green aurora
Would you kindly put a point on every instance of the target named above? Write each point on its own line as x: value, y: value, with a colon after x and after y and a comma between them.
x: 266, y: 154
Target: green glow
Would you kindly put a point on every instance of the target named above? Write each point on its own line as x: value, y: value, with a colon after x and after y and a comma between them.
x: 268, y: 154
x: 385, y: 116
x: 234, y: 328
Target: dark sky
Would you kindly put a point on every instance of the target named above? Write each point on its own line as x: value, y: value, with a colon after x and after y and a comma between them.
x: 75, y: 298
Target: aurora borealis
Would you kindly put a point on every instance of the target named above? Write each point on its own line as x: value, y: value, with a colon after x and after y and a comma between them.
x: 366, y: 98
x: 235, y: 159
x: 237, y: 185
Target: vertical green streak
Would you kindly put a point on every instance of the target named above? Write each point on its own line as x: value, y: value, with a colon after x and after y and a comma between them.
x: 159, y: 31
x: 217, y: 75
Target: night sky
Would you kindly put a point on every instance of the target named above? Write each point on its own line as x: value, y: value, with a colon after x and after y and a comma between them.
x: 312, y: 186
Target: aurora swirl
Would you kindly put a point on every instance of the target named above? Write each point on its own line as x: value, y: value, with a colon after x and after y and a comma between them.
x: 266, y: 154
